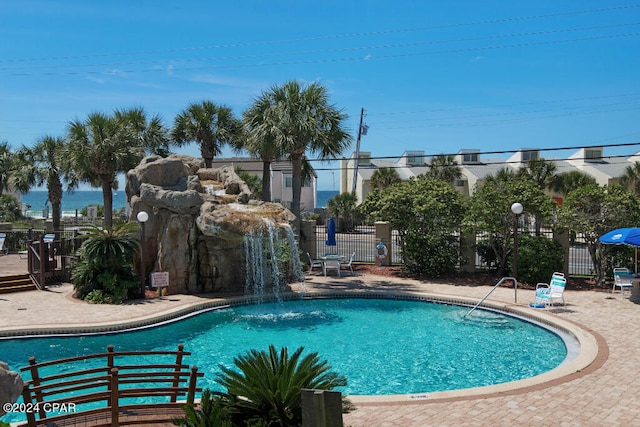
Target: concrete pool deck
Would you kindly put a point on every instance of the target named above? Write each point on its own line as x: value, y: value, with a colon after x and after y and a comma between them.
x: 603, y: 394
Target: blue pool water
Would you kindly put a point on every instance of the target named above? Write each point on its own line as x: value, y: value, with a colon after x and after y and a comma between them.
x: 381, y: 346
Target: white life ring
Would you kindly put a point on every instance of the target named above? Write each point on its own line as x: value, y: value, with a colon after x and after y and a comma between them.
x: 381, y: 251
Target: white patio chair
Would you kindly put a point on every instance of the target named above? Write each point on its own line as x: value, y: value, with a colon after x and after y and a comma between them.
x: 3, y: 250
x: 314, y: 263
x: 547, y: 293
x: 348, y: 265
x: 332, y: 264
x: 621, y: 279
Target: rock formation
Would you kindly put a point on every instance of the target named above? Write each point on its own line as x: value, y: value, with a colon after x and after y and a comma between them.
x: 199, y: 220
x: 10, y: 386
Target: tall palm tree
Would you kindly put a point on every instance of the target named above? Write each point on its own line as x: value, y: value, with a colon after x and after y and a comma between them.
x: 631, y: 178
x: 384, y: 177
x: 260, y: 141
x: 297, y: 119
x: 445, y: 168
x: 103, y: 145
x: 46, y: 163
x: 209, y: 125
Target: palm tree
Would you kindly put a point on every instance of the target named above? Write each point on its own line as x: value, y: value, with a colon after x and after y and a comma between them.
x: 384, y: 177
x: 566, y: 182
x: 543, y: 173
x: 445, y: 168
x: 267, y: 389
x: 260, y: 142
x: 103, y: 146
x: 296, y: 119
x: 46, y: 163
x: 7, y: 158
x: 540, y: 171
x: 631, y: 178
x: 209, y: 125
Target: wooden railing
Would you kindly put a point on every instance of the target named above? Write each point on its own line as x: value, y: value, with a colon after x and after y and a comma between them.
x: 59, y: 397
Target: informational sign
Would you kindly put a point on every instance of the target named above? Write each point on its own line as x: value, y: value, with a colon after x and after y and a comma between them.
x: 160, y: 279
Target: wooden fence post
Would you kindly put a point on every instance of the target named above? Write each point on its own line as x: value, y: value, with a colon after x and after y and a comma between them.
x: 176, y: 379
x: 35, y: 380
x: 113, y: 380
x: 192, y: 385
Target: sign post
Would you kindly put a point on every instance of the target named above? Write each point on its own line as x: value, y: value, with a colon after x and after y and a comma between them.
x: 160, y: 280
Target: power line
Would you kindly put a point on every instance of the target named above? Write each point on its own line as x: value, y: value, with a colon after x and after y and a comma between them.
x: 323, y: 51
x: 337, y: 36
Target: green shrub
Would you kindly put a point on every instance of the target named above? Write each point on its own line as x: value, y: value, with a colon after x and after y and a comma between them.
x: 9, y: 208
x: 106, y: 264
x: 431, y: 255
x: 538, y: 258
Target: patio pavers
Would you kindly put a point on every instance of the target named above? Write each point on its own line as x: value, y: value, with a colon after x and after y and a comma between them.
x: 603, y: 397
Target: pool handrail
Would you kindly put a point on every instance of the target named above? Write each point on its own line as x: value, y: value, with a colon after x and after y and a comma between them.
x: 515, y: 285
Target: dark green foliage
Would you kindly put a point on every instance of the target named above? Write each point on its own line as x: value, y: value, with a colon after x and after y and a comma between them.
x: 9, y: 208
x: 106, y: 264
x: 343, y: 206
x: 266, y: 390
x: 431, y: 255
x: 538, y: 258
x: 427, y: 214
x: 592, y: 211
x: 209, y: 413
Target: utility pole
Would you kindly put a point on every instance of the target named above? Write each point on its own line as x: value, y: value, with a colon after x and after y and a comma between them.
x: 362, y: 129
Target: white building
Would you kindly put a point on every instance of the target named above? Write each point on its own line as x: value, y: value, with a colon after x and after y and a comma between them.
x: 281, y: 180
x: 475, y: 168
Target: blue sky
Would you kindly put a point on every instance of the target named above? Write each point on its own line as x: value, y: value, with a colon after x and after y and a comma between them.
x: 432, y: 75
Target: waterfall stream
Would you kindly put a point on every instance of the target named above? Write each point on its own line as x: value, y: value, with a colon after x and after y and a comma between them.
x: 271, y: 259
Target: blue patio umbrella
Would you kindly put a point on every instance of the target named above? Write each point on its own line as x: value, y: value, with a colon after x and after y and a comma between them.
x: 623, y: 236
x: 331, y: 233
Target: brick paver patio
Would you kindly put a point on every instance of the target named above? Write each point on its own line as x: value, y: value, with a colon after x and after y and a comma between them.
x: 603, y: 395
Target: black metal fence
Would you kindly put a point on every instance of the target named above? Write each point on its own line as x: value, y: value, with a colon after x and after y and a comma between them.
x: 363, y: 241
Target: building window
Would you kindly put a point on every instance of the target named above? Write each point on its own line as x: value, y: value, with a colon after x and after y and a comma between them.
x: 527, y: 156
x: 415, y: 160
x: 593, y: 154
x: 459, y: 183
x: 471, y: 158
x: 288, y: 182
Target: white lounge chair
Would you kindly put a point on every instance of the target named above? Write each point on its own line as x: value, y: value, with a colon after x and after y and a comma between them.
x: 314, y: 263
x: 547, y: 293
x: 3, y: 250
x: 622, y: 279
x: 348, y: 265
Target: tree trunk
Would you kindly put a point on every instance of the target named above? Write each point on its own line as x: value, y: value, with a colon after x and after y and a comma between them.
x: 55, y: 197
x: 107, y: 197
x: 266, y: 181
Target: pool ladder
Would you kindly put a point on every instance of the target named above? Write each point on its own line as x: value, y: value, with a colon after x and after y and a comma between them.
x: 515, y: 282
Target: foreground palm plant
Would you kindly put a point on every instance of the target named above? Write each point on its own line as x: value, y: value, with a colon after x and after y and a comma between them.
x: 267, y: 388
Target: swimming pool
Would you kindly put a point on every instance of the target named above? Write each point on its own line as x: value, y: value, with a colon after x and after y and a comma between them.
x: 382, y: 346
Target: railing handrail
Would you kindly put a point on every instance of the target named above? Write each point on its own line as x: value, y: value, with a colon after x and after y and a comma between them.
x: 515, y: 285
x: 168, y: 380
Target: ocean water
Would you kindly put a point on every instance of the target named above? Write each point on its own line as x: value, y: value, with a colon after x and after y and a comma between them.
x: 323, y: 197
x: 35, y: 201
